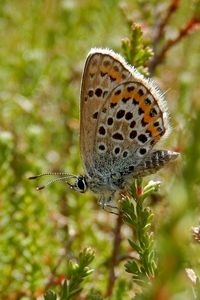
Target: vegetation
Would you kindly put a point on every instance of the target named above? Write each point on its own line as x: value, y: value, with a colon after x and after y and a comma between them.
x: 56, y: 243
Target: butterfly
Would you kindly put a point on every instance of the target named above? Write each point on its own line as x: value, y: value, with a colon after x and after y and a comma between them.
x: 123, y: 115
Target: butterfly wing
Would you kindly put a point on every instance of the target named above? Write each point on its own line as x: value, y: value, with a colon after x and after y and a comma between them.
x: 123, y: 115
x: 131, y: 122
x: 104, y: 70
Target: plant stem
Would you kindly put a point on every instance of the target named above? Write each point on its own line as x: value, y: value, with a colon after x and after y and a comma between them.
x: 114, y: 257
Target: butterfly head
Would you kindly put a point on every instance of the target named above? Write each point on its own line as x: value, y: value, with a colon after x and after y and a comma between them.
x: 80, y: 184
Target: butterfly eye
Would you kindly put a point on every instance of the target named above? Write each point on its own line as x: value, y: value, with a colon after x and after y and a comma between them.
x: 80, y: 185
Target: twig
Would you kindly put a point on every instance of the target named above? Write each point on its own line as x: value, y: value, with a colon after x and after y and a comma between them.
x: 159, y: 57
x: 163, y: 21
x: 53, y: 279
x: 114, y: 258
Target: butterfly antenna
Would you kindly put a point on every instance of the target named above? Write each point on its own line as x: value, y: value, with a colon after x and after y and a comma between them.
x: 52, y: 174
x: 62, y: 177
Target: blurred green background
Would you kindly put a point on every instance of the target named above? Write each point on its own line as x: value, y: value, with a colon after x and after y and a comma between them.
x: 42, y: 52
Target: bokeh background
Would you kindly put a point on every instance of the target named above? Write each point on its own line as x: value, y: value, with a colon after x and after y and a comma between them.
x: 42, y: 53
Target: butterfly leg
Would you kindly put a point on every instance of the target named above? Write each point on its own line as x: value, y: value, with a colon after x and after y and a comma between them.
x: 108, y: 204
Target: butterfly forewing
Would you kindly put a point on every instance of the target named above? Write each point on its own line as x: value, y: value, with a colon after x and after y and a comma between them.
x: 104, y: 70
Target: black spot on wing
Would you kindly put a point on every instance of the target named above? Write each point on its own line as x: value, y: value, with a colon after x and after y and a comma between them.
x: 118, y: 136
x: 110, y: 121
x: 133, y: 134
x: 120, y: 114
x: 142, y: 138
